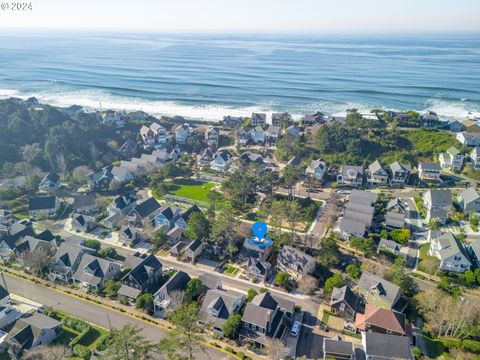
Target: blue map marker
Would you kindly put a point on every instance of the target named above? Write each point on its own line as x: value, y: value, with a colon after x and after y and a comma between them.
x: 259, y: 230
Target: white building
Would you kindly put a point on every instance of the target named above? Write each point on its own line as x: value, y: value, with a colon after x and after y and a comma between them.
x: 450, y: 252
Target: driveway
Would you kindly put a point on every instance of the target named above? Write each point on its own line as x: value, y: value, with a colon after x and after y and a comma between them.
x: 310, y: 344
x: 93, y: 313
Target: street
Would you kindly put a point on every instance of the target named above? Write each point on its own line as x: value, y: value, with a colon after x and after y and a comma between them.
x: 93, y: 313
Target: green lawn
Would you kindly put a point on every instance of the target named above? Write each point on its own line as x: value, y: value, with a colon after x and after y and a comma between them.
x: 231, y: 270
x: 190, y: 189
x: 65, y: 336
x: 422, y: 252
x: 434, y: 347
x: 419, y: 204
x: 469, y: 172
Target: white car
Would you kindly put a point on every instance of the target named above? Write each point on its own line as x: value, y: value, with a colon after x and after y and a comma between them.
x: 295, y: 328
x: 169, y: 269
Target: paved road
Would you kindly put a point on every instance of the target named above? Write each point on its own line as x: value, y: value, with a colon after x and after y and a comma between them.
x: 91, y: 312
x: 310, y: 344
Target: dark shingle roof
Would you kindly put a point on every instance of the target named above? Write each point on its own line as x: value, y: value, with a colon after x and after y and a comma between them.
x: 147, y: 207
x: 344, y: 294
x: 42, y: 203
x: 384, y: 346
x: 178, y: 281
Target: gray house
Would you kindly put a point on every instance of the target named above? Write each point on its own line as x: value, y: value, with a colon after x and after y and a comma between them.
x: 164, y: 298
x: 438, y: 204
x: 295, y: 262
x: 376, y: 174
x: 93, y: 272
x: 469, y: 200
x: 143, y: 277
x: 344, y: 303
x: 400, y: 173
x: 66, y: 261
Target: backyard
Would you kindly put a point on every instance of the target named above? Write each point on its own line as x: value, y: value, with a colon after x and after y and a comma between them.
x: 188, y: 188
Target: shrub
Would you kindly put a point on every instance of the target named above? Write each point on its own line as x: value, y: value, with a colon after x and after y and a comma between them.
x: 82, y: 352
x: 93, y: 244
x: 104, y: 343
x: 241, y: 355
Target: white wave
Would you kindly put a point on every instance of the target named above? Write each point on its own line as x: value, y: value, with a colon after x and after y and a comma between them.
x: 453, y: 109
x: 5, y: 93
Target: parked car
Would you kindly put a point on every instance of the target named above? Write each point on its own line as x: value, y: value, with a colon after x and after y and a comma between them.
x: 295, y: 328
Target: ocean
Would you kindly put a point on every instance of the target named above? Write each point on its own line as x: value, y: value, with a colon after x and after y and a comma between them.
x: 209, y: 76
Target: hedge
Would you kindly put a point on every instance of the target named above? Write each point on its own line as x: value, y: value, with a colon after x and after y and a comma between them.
x: 82, y: 352
x: 466, y: 345
x: 104, y: 343
x: 78, y: 325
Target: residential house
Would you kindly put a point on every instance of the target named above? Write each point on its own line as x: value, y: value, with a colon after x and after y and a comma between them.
x: 100, y: 180
x: 438, y: 204
x: 378, y: 291
x: 350, y: 176
x: 5, y: 309
x: 175, y: 234
x: 31, y: 332
x: 253, y: 251
x: 266, y: 317
x: 376, y: 174
x: 66, y: 261
x: 182, y: 220
x: 474, y: 249
x: 5, y: 216
x: 205, y: 158
x: 455, y: 126
x: 244, y: 136
x: 258, y: 135
x: 165, y: 297
x: 475, y: 157
x: 430, y: 119
x: 123, y: 173
x: 129, y: 148
x: 167, y: 216
x: 177, y: 249
x: 113, y: 118
x: 51, y: 182
x: 400, y: 173
x: 469, y: 138
x: 470, y: 126
x: 452, y: 159
x: 93, y: 272
x: 147, y: 135
x: 211, y: 281
x: 282, y: 119
x: 395, y: 219
x: 469, y: 200
x: 257, y: 269
x: 317, y: 169
x: 272, y: 134
x: 182, y: 133
x: 212, y: 136
x: 129, y: 234
x: 118, y: 209
x: 258, y: 119
x: 144, y: 277
x: 392, y: 247
x: 193, y: 250
x: 221, y: 160
x: 162, y: 136
x: 85, y: 204
x: 43, y: 206
x: 386, y: 346
x: 451, y: 253
x: 295, y: 262
x: 428, y: 171
x: 344, y: 303
x: 336, y: 349
x: 218, y: 305
x: 232, y: 122
x: 357, y: 214
x: 313, y: 119
x: 144, y: 212
x: 83, y: 223
x: 380, y: 320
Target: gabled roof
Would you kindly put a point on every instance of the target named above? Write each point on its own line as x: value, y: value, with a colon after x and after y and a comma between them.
x: 177, y: 282
x: 430, y: 166
x: 384, y: 346
x: 397, y: 167
x: 42, y: 203
x: 294, y: 258
x: 194, y: 245
x: 337, y: 347
x: 453, y: 151
x: 376, y: 168
x: 84, y: 201
x: 387, y: 290
x: 344, y: 294
x: 68, y: 254
x: 449, y: 245
x: 469, y: 195
x: 222, y: 301
x: 258, y: 266
x: 27, y: 330
x: 381, y: 318
x: 144, y: 269
x: 51, y: 176
x: 147, y: 207
x: 259, y: 310
x: 191, y: 210
x: 440, y: 197
x: 92, y: 269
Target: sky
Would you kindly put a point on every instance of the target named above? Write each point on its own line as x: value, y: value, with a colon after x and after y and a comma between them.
x: 249, y: 16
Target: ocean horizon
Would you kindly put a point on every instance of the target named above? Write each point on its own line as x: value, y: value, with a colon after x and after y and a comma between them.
x: 209, y: 76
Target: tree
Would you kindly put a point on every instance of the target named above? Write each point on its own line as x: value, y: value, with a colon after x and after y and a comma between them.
x: 144, y: 302
x: 93, y: 244
x: 231, y: 327
x: 430, y: 265
x: 111, y: 288
x: 469, y: 278
x: 367, y: 246
x: 251, y: 293
x: 109, y: 253
x: 198, y: 226
x: 400, y: 277
x: 193, y: 290
x: 127, y: 344
x: 159, y: 239
x: 277, y: 215
x: 401, y: 236
x: 276, y: 349
x: 434, y: 224
x: 225, y: 225
x: 38, y: 260
x: 329, y: 255
x: 290, y: 176
x: 282, y: 278
x: 293, y: 214
x: 54, y: 352
x: 184, y: 340
x: 354, y: 271
x: 307, y: 284
x: 335, y: 280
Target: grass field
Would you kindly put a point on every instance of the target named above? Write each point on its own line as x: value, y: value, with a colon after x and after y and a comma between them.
x: 231, y: 270
x: 190, y: 189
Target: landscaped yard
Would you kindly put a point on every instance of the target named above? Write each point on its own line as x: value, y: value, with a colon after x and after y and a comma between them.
x: 231, y: 270
x: 190, y: 189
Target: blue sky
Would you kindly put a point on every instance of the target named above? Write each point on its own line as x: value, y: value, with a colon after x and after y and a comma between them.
x: 251, y: 16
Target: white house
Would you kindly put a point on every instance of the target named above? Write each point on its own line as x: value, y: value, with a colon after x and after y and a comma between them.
x: 350, y: 175
x: 212, y: 136
x: 469, y: 138
x: 438, y: 204
x: 316, y: 169
x: 258, y: 135
x: 469, y: 200
x: 428, y: 171
x: 221, y: 161
x: 182, y: 132
x: 376, y: 174
x: 452, y: 159
x: 450, y: 252
x: 475, y: 157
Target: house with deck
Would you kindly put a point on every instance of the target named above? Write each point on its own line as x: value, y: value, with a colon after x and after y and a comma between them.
x: 93, y: 272
x: 350, y: 176
x: 469, y: 200
x: 316, y: 169
x: 344, y: 303
x: 400, y: 173
x: 429, y: 171
x: 295, y: 262
x: 258, y: 119
x: 221, y: 160
x: 376, y: 174
x: 212, y: 136
x: 182, y: 133
x: 66, y: 261
x: 452, y: 159
x: 469, y: 138
x: 144, y: 277
x: 438, y: 205
x: 451, y: 253
x: 380, y: 320
x: 380, y: 292
x: 169, y: 295
x: 232, y: 122
x: 51, y: 182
